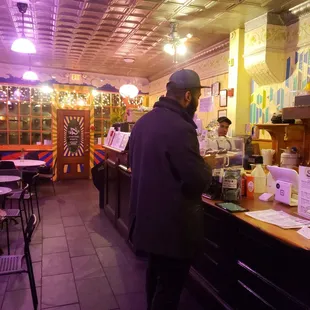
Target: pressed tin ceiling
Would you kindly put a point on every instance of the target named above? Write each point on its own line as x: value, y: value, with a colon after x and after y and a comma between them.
x: 97, y: 35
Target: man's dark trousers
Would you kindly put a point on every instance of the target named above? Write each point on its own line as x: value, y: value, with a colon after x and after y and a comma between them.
x: 165, y: 278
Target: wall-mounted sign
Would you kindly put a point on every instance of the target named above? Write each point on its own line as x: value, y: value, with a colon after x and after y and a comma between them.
x: 75, y: 77
x: 73, y: 136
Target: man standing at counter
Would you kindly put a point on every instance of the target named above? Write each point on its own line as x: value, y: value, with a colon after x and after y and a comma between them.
x: 168, y: 178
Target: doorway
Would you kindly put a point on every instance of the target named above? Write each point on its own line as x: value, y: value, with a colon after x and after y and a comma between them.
x: 73, y: 144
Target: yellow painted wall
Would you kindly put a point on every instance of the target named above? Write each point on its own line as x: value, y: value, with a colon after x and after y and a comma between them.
x: 239, y: 80
x: 207, y: 117
x: 211, y: 70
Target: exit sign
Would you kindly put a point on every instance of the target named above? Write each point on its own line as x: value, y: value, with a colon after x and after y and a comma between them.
x: 75, y: 77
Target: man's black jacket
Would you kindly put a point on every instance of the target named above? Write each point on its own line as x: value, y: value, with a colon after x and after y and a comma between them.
x: 168, y: 178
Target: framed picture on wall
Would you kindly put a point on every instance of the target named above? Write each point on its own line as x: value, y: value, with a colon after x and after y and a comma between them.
x: 223, y: 98
x: 215, y: 89
x: 221, y: 113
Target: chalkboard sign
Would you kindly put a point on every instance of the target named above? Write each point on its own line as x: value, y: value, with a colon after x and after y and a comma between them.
x: 74, y: 136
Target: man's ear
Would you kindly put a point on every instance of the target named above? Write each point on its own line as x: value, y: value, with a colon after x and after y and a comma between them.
x: 187, y: 97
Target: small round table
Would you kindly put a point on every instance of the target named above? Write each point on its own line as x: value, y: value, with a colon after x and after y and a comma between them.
x: 28, y: 163
x: 9, y: 178
x: 5, y: 190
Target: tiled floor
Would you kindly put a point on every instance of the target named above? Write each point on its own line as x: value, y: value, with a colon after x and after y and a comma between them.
x: 80, y: 261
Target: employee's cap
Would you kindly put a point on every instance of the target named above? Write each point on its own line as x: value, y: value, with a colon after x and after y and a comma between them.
x: 184, y: 79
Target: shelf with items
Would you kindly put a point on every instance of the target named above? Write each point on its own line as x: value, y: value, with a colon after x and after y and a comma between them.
x: 280, y: 133
x: 25, y: 115
x: 302, y: 113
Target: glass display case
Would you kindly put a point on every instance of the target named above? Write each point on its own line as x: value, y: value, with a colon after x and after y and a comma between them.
x: 228, y: 151
x: 228, y: 154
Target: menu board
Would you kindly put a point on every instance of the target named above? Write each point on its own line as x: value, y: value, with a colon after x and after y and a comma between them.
x: 125, y: 140
x: 120, y: 140
x: 118, y: 137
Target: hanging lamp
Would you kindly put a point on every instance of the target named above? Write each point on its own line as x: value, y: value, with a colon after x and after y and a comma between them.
x: 129, y: 91
x: 23, y: 45
x: 30, y: 76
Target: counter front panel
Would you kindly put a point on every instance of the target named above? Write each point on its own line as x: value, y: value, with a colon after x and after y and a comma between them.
x: 244, y: 264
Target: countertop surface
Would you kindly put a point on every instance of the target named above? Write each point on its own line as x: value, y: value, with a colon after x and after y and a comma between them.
x: 289, y: 236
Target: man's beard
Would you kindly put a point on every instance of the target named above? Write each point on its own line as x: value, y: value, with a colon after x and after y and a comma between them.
x: 191, y: 109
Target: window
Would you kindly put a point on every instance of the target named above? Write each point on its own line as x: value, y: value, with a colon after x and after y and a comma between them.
x: 108, y: 109
x: 25, y: 115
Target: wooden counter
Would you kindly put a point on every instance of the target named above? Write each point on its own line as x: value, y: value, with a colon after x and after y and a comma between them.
x: 289, y: 236
x: 249, y: 264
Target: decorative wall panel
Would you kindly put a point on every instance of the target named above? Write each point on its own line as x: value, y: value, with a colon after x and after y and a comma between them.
x: 264, y: 49
x: 207, y: 68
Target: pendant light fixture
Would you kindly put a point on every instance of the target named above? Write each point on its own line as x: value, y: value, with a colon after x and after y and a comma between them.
x: 23, y: 45
x: 30, y: 75
x: 129, y: 91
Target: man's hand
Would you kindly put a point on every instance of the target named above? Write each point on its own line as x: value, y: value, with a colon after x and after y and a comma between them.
x: 210, y: 160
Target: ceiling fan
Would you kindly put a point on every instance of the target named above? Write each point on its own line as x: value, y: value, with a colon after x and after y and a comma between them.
x: 175, y: 45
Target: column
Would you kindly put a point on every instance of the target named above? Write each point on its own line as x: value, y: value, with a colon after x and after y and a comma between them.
x: 238, y: 107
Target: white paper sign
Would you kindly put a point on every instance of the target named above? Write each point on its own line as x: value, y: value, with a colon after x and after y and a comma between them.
x: 305, y: 232
x: 117, y: 139
x: 206, y: 104
x: 279, y: 218
x: 207, y: 92
x: 304, y: 192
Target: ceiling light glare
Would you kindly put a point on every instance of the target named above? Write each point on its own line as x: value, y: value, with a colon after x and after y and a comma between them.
x: 181, y: 49
x: 95, y: 92
x: 30, y: 76
x: 81, y: 102
x: 129, y: 60
x: 129, y: 91
x: 23, y: 45
x: 189, y: 36
x: 169, y: 48
x: 46, y: 89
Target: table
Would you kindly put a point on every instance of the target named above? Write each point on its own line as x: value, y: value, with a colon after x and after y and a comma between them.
x: 4, y: 190
x: 28, y: 163
x: 9, y: 178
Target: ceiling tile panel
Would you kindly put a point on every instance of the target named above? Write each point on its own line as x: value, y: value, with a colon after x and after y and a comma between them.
x: 96, y: 35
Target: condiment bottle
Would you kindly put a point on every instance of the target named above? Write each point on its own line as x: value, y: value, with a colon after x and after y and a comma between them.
x: 243, y: 185
x: 249, y: 186
x: 259, y: 179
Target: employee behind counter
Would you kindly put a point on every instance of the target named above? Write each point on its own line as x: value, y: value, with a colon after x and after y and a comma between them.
x: 223, y: 142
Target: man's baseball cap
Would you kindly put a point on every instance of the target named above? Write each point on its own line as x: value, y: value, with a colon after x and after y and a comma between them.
x: 184, y: 79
